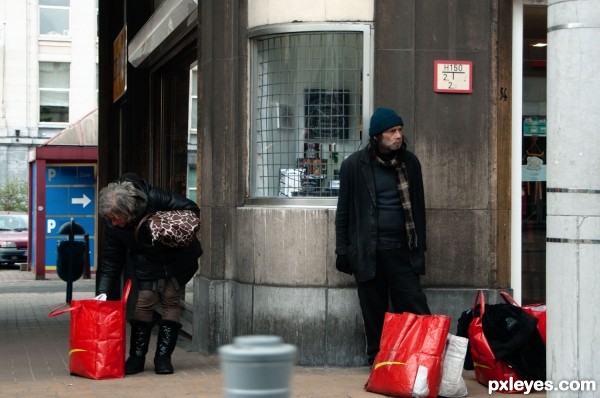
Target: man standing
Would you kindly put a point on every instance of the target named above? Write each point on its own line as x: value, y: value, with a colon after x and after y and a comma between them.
x: 380, y: 226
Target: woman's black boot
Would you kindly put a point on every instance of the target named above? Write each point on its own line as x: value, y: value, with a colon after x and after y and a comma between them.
x: 168, y: 332
x: 138, y: 346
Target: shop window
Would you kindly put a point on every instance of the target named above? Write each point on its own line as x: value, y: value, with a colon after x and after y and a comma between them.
x: 54, y: 17
x: 54, y: 92
x: 192, y: 134
x: 193, y: 122
x: 307, y: 96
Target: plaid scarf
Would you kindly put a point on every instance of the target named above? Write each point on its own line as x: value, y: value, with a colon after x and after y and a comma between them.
x: 397, y: 162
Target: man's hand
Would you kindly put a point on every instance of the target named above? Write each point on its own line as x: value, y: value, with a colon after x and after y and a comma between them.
x: 342, y: 264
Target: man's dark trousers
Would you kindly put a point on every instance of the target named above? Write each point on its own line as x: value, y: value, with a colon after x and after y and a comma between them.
x: 396, y: 284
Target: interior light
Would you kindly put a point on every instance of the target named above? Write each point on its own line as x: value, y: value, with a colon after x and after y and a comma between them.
x: 539, y: 44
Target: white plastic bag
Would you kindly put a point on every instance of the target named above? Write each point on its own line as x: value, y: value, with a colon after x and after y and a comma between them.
x: 421, y: 388
x: 452, y: 384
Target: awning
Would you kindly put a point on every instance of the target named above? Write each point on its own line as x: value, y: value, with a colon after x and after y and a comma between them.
x: 83, y: 132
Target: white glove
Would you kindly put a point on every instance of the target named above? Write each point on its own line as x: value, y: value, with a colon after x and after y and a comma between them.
x: 101, y: 297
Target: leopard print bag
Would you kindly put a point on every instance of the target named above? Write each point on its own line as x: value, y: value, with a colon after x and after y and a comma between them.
x: 171, y: 228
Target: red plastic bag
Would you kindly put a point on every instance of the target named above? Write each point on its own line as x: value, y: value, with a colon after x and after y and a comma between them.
x: 486, y: 366
x: 536, y: 310
x: 409, y: 362
x: 97, y: 337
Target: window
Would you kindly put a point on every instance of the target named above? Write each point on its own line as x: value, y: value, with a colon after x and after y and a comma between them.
x: 54, y: 17
x: 306, y: 109
x: 192, y: 134
x: 193, y: 103
x: 54, y: 92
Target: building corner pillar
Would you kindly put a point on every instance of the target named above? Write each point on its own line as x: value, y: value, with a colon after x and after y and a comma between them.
x: 573, y: 214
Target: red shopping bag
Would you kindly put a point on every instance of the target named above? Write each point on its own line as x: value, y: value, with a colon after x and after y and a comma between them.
x: 409, y: 362
x: 486, y: 366
x: 97, y: 337
x: 536, y: 310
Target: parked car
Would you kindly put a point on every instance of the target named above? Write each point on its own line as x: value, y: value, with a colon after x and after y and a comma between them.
x: 13, y: 237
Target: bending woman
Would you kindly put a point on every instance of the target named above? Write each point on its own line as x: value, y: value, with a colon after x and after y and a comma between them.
x: 158, y: 273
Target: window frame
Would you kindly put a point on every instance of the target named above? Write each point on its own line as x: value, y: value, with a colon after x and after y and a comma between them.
x: 192, y: 141
x: 366, y: 29
x: 53, y: 90
x: 59, y: 36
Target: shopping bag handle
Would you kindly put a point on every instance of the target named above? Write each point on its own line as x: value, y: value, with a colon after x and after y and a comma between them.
x: 479, y: 298
x: 508, y: 299
x: 126, y: 291
x: 59, y: 311
x: 139, y: 226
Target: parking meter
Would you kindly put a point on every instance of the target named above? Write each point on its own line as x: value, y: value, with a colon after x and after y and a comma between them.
x: 71, y: 255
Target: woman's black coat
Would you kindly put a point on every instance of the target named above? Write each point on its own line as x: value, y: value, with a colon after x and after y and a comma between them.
x: 356, y: 215
x: 121, y: 248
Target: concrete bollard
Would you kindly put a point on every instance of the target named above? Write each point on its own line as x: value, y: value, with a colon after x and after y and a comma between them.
x: 257, y: 366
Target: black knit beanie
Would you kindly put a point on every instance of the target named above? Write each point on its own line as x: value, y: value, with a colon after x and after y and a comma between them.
x: 384, y: 119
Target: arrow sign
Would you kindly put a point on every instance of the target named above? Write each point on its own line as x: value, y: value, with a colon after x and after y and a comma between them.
x: 84, y: 200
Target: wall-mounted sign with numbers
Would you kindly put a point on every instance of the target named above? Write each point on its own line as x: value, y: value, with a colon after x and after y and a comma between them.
x: 453, y: 76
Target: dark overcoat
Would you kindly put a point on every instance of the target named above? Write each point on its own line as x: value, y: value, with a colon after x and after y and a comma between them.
x: 356, y: 215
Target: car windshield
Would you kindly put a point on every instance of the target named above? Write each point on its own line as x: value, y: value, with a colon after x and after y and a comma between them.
x: 12, y: 222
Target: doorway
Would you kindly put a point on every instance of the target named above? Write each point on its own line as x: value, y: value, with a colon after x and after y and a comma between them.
x: 533, y: 159
x: 173, y: 114
x: 170, y: 115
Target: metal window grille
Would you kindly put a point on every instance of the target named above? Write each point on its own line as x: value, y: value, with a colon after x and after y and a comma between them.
x: 307, y: 112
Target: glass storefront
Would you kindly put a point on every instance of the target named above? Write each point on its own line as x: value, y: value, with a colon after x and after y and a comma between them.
x: 533, y: 249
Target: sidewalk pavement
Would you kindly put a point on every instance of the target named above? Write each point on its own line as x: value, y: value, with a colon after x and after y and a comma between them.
x: 34, y: 355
